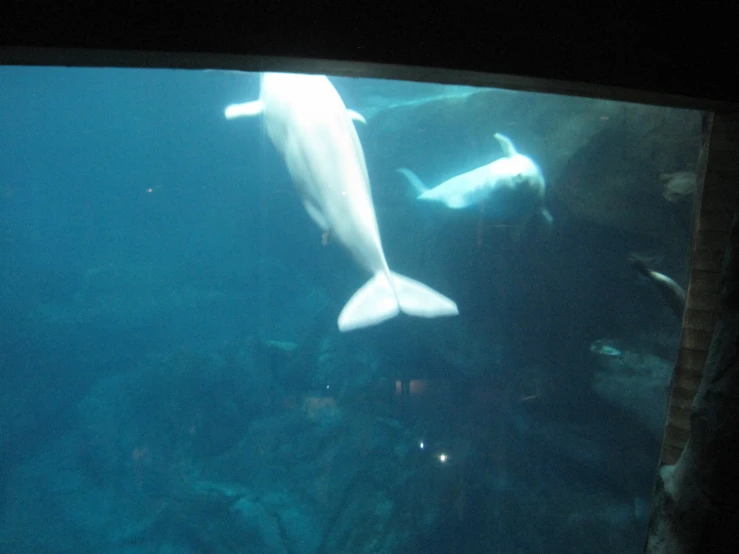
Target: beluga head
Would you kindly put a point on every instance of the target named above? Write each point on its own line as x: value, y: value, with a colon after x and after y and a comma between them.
x: 516, y: 185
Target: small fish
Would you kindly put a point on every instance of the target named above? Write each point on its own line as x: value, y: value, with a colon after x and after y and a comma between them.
x: 678, y: 185
x: 605, y: 347
x: 672, y: 293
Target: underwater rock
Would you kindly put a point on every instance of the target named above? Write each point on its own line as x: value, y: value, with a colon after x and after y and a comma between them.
x: 138, y: 426
x: 116, y: 295
x: 612, y: 193
x: 344, y: 480
x: 636, y: 382
x: 602, y: 159
x: 615, y: 179
x: 121, y: 298
x: 330, y: 477
x: 266, y: 529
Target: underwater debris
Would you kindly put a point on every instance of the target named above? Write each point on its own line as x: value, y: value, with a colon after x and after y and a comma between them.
x: 637, y: 382
x: 320, y: 408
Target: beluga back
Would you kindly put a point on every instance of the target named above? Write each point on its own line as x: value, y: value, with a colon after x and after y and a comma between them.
x: 307, y: 121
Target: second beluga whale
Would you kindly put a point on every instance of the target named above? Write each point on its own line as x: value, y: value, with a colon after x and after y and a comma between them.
x: 307, y: 121
x: 512, y: 188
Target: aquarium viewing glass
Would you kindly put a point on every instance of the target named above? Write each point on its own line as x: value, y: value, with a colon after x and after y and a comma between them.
x: 290, y: 313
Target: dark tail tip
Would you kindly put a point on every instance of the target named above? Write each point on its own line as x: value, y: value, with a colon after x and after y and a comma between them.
x: 638, y: 263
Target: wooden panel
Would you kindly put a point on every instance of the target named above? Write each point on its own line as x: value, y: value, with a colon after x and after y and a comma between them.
x: 696, y: 339
x: 706, y: 281
x: 688, y: 380
x: 692, y: 359
x: 711, y: 240
x: 702, y: 320
x: 679, y: 417
x: 718, y: 220
x: 682, y: 397
x: 707, y: 260
x: 718, y: 183
x: 704, y: 300
x: 671, y: 452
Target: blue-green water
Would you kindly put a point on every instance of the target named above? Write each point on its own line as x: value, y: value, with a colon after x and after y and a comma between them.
x: 173, y: 376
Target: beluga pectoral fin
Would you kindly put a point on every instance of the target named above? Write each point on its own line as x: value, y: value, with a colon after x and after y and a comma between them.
x: 316, y: 215
x: 254, y: 107
x: 414, y: 180
x: 506, y: 145
x: 356, y: 116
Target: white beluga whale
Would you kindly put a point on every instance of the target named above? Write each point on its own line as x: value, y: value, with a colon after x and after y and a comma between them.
x: 307, y: 121
x: 512, y: 187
